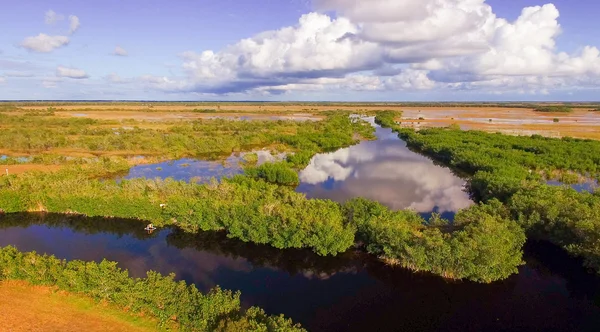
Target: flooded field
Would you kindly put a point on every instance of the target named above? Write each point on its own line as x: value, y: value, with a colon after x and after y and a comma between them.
x: 580, y: 123
x: 183, y: 116
x: 199, y: 170
x: 351, y: 292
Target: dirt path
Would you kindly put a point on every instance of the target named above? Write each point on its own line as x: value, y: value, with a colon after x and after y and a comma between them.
x: 35, y: 308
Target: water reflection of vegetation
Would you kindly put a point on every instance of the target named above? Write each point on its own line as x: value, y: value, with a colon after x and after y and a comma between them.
x: 80, y: 224
x: 292, y: 261
x: 159, y: 296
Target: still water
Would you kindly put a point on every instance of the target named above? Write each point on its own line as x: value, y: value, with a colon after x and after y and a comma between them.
x: 351, y: 292
x: 384, y: 170
x: 199, y: 170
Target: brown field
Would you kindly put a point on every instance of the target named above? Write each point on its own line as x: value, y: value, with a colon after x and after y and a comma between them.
x: 22, y: 168
x: 36, y: 308
x: 581, y: 123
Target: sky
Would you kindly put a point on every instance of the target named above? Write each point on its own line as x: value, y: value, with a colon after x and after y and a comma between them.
x: 300, y: 50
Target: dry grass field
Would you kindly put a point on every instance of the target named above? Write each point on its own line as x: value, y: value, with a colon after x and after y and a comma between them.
x: 36, y: 308
x: 581, y: 123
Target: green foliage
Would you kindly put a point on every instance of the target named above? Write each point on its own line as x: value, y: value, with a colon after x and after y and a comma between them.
x: 387, y: 118
x: 36, y: 134
x: 481, y: 245
x: 513, y: 169
x: 563, y: 216
x: 248, y: 209
x: 278, y: 173
x: 159, y: 296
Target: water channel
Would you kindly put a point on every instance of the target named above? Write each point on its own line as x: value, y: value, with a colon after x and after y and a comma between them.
x: 350, y: 292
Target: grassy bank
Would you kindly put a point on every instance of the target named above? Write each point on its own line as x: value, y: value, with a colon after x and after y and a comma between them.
x: 157, y: 296
x: 27, y: 307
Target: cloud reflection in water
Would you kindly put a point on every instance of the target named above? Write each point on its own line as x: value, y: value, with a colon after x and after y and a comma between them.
x: 384, y: 170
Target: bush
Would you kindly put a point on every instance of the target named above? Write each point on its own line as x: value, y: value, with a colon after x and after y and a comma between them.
x: 278, y: 173
x: 481, y: 245
x: 156, y: 295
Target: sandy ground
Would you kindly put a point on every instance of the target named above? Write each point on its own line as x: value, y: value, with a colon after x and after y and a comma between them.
x: 581, y: 123
x: 22, y: 168
x: 36, y: 308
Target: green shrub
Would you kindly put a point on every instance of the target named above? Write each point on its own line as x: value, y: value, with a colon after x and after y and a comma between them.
x: 278, y: 173
x: 156, y: 295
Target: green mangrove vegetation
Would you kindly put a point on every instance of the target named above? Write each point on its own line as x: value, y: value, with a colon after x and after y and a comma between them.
x: 484, y: 243
x: 254, y: 210
x: 480, y: 245
x: 176, y: 139
x: 158, y: 296
x: 514, y: 171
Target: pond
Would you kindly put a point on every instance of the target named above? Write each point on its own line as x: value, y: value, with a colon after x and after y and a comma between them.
x: 199, y: 170
x: 351, y: 292
x: 589, y: 186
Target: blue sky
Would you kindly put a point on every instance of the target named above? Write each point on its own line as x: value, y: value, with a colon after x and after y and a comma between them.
x: 300, y: 50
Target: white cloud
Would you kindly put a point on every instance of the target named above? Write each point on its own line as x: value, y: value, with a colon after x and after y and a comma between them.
x: 52, y: 17
x: 120, y: 51
x: 71, y: 72
x: 73, y: 23
x: 2, y: 80
x: 394, y: 45
x: 44, y: 43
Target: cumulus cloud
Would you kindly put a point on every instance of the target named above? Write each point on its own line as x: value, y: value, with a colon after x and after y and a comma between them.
x: 400, y: 45
x: 44, y: 43
x: 73, y: 24
x: 120, y: 51
x: 51, y: 17
x: 71, y: 72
